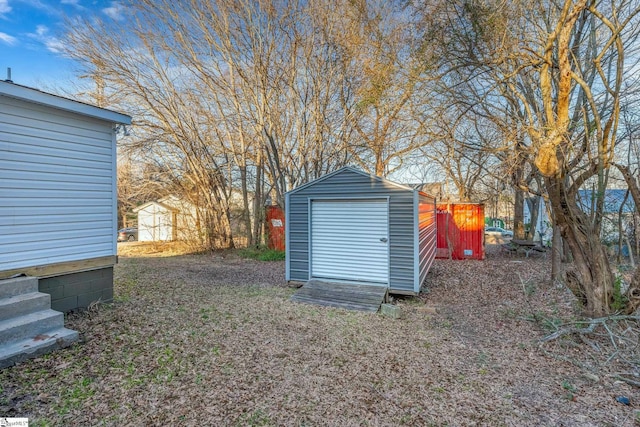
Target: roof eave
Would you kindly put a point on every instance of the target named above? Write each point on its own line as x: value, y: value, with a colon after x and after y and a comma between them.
x: 13, y: 90
x: 352, y: 169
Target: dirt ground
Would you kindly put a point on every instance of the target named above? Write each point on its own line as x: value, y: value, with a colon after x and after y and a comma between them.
x: 213, y: 339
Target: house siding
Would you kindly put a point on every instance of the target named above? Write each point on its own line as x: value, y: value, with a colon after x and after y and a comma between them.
x: 56, y: 186
x: 348, y: 184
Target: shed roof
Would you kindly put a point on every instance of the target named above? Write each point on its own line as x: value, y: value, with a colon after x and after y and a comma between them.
x: 25, y: 93
x: 161, y: 205
x: 354, y: 170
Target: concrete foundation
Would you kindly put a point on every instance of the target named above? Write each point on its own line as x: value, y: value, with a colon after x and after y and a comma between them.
x: 78, y: 290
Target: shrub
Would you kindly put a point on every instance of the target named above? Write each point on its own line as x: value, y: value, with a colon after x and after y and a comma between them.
x: 262, y: 254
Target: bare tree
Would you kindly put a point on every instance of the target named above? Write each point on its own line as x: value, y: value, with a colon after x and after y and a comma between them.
x: 388, y: 79
x: 564, y: 63
x: 135, y: 187
x: 462, y: 149
x: 170, y: 125
x: 254, y: 97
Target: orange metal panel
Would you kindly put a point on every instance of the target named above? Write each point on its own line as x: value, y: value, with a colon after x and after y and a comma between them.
x: 460, y: 231
x: 275, y: 223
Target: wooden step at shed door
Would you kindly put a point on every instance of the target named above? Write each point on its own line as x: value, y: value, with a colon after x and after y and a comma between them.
x: 342, y: 295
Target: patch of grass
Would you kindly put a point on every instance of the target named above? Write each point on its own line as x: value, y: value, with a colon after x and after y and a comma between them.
x: 446, y: 324
x: 257, y: 291
x: 482, y: 358
x: 124, y: 288
x: 619, y: 300
x: 412, y: 301
x: 548, y: 324
x: 551, y: 324
x: 509, y: 312
x: 126, y: 285
x: 530, y: 289
x: 257, y: 418
x: 78, y: 393
x: 262, y: 254
x: 569, y: 389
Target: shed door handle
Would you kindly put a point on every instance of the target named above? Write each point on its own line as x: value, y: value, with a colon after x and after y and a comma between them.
x: 384, y: 239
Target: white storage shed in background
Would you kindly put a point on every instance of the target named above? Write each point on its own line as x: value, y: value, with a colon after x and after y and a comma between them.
x: 169, y: 218
x: 156, y: 222
x: 349, y: 226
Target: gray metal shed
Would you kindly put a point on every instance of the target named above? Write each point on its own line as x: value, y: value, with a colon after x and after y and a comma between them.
x: 349, y: 226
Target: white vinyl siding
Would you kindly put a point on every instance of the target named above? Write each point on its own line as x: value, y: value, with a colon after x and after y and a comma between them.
x: 57, y: 188
x: 349, y: 240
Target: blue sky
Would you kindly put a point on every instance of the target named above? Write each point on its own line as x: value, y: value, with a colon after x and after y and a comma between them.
x: 30, y: 33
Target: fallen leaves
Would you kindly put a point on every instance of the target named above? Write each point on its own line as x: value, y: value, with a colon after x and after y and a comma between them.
x: 205, y: 340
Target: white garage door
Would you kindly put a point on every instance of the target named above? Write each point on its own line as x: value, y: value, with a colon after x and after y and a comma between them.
x: 349, y: 240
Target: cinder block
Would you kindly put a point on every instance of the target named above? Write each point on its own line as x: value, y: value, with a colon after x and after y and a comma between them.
x: 391, y: 310
x: 107, y: 295
x: 56, y: 292
x: 65, y: 304
x: 75, y: 288
x: 78, y: 290
x: 49, y: 282
x: 99, y: 285
x: 84, y: 300
x: 106, y: 273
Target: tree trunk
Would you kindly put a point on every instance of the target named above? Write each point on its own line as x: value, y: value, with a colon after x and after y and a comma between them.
x: 632, y: 261
x: 632, y: 184
x: 633, y: 292
x: 621, y: 234
x: 636, y: 232
x: 518, y: 215
x: 591, y: 279
x: 222, y: 228
x: 534, y: 209
x: 246, y: 215
x: 557, y: 273
x: 258, y: 205
x: 518, y: 204
x: 380, y: 166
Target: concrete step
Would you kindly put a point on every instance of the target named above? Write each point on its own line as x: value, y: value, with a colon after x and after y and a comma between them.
x: 42, y: 343
x: 30, y: 325
x: 20, y: 305
x: 17, y: 286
